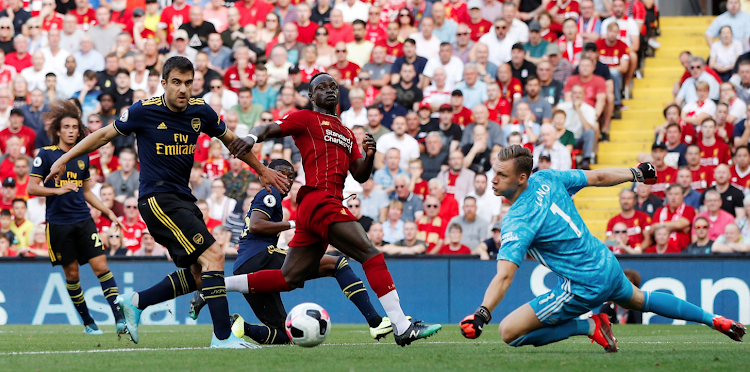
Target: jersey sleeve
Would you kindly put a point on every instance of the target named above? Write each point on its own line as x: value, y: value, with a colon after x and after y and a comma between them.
x: 86, y: 173
x: 291, y: 124
x: 214, y: 126
x: 573, y: 180
x: 266, y: 202
x: 129, y: 122
x: 516, y: 239
x: 41, y: 165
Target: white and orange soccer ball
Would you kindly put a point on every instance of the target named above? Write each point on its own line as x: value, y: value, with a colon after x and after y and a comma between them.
x: 308, y: 324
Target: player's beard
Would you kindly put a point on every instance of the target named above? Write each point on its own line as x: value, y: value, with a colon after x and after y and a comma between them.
x: 509, y: 192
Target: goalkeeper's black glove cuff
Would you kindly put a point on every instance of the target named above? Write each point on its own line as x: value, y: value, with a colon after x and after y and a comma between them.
x: 484, y: 314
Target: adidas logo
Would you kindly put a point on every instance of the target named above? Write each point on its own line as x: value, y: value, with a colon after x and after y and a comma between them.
x: 162, y: 126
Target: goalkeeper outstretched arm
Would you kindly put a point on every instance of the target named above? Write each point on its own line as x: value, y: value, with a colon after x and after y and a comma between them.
x: 471, y: 326
x: 643, y: 172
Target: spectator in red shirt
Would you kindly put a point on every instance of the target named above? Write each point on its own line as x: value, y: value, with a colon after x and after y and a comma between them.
x: 9, y: 159
x: 216, y: 165
x: 593, y: 85
x: 663, y: 243
x: 666, y: 175
x: 431, y: 226
x: 134, y: 227
x: 16, y: 128
x: 210, y: 222
x: 8, y: 194
x: 393, y: 48
x: 285, y: 103
x: 22, y: 177
x: 49, y: 16
x: 713, y: 152
x: 374, y: 32
x: 511, y: 88
x: 253, y: 12
x: 85, y: 14
x: 676, y: 217
x: 290, y: 203
x: 478, y: 25
x: 461, y: 115
x: 454, y: 246
x: 448, y: 204
x: 339, y: 31
x: 618, y: 241
x: 242, y: 72
x: 305, y: 28
x: 172, y: 17
x: 20, y: 59
x: 615, y: 54
x: 636, y: 222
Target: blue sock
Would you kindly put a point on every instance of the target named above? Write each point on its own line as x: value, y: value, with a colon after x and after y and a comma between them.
x: 109, y: 288
x: 355, y: 291
x: 76, y: 294
x: 215, y: 293
x: 550, y: 334
x: 174, y: 285
x: 665, y: 304
x: 266, y: 335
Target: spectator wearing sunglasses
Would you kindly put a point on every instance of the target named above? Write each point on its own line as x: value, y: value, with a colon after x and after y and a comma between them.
x: 702, y: 244
x: 431, y: 226
x: 115, y: 244
x: 618, y: 241
x: 134, y: 227
x: 355, y: 206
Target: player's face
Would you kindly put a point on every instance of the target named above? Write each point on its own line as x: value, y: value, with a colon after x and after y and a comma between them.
x: 325, y: 92
x: 286, y: 171
x: 506, y: 180
x: 68, y: 132
x: 177, y: 89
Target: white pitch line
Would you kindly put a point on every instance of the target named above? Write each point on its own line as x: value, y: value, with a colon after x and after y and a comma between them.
x: 94, y: 351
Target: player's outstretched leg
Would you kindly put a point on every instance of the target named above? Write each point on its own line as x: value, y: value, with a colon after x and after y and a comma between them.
x: 109, y: 289
x: 672, y: 307
x: 73, y: 284
x: 350, y: 238
x: 353, y: 288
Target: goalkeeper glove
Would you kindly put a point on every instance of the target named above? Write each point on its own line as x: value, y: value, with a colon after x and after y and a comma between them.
x: 644, y: 172
x: 471, y: 326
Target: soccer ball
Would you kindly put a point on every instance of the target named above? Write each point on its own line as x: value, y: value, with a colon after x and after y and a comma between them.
x: 308, y: 324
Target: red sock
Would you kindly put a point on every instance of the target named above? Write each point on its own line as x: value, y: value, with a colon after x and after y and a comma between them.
x: 378, y: 276
x: 266, y: 281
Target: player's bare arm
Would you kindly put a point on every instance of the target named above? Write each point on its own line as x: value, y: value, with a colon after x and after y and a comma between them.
x: 268, y: 177
x: 471, y: 326
x: 92, y: 142
x: 96, y: 203
x: 36, y: 188
x: 241, y: 146
x: 261, y: 224
x: 362, y: 167
x: 643, y: 172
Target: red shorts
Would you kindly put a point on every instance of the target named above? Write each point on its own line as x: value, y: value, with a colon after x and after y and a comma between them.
x: 316, y: 212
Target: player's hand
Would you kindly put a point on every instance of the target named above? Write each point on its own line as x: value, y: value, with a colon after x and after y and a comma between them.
x: 369, y: 144
x: 644, y: 172
x: 113, y: 217
x: 66, y: 188
x: 57, y: 169
x: 241, y: 146
x: 270, y: 177
x: 471, y: 326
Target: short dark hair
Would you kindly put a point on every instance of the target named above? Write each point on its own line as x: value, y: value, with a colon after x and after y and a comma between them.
x: 280, y: 163
x: 122, y: 71
x: 50, y: 74
x: 19, y: 200
x: 456, y: 226
x: 178, y: 63
x: 471, y: 197
x: 517, y: 46
x: 532, y: 77
x: 445, y: 44
x: 359, y: 22
x: 5, y: 213
x: 669, y: 106
x: 674, y: 186
x: 741, y: 147
x: 245, y: 89
x: 197, y: 165
x: 410, y: 41
x: 523, y: 161
x: 671, y: 125
x: 89, y: 74
x: 261, y: 67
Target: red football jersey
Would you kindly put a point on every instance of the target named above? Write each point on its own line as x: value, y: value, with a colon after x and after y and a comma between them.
x: 422, y: 188
x: 637, y: 224
x: 512, y: 91
x: 688, y: 133
x: 287, y: 203
x: 133, y: 234
x: 479, y: 29
x: 446, y: 249
x: 375, y: 34
x: 458, y: 12
x: 703, y: 177
x: 431, y: 230
x: 665, y: 177
x: 671, y: 248
x: 391, y: 51
x: 327, y: 148
x: 572, y: 52
x: 232, y: 76
x: 212, y: 223
x: 171, y: 19
x: 27, y: 135
x: 568, y: 9
x: 503, y: 107
x: 215, y: 168
x: 711, y: 156
x: 201, y: 147
x: 681, y: 238
x: 612, y: 55
x: 55, y: 22
x: 253, y: 14
x: 463, y: 117
x: 309, y: 71
x: 307, y: 33
x: 349, y: 72
x: 549, y: 35
x: 741, y: 181
x: 85, y: 20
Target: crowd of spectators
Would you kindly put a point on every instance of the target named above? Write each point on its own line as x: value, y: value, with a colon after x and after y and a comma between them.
x: 700, y: 203
x: 441, y: 85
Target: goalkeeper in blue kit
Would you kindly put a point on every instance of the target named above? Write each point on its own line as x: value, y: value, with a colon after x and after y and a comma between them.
x: 544, y: 223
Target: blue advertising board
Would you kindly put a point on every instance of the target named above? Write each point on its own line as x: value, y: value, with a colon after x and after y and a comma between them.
x: 436, y: 290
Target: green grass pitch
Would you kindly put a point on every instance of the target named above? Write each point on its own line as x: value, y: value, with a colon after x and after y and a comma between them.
x: 350, y: 348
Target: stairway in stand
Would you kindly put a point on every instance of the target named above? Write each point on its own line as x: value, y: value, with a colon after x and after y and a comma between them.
x: 634, y: 134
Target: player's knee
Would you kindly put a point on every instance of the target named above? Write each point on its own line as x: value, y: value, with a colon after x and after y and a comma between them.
x: 72, y: 273
x: 295, y: 280
x: 212, y: 259
x: 507, y: 332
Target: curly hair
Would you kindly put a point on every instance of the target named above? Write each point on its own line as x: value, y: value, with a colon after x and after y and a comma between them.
x: 61, y: 110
